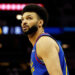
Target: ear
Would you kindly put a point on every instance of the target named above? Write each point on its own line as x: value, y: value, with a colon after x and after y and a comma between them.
x: 41, y: 22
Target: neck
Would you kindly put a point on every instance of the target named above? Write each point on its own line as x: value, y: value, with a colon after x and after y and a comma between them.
x: 33, y: 37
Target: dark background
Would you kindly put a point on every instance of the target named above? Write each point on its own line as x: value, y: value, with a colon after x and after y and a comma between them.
x: 16, y: 49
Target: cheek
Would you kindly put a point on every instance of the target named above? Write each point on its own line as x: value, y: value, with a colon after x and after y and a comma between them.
x: 32, y: 23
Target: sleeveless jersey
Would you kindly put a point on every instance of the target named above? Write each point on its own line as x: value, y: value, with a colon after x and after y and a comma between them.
x: 38, y: 67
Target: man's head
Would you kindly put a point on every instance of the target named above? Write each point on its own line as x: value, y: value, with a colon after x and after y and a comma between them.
x: 33, y: 17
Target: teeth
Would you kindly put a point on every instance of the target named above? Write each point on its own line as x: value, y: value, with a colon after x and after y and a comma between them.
x: 24, y: 28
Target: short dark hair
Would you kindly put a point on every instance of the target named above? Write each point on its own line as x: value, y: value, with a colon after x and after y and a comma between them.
x: 41, y: 11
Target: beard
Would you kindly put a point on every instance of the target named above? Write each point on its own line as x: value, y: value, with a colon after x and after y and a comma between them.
x: 31, y: 30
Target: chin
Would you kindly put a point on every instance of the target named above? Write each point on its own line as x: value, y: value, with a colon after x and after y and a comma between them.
x: 31, y: 30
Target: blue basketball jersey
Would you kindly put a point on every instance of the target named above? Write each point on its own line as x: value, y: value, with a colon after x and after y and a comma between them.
x: 38, y: 67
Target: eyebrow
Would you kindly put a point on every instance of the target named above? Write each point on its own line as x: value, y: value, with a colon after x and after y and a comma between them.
x: 27, y: 15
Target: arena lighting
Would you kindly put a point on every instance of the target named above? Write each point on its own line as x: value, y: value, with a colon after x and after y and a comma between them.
x: 5, y: 29
x: 53, y: 30
x: 18, y: 30
x: 69, y: 29
x: 11, y: 30
x: 18, y: 17
x: 14, y: 6
x: 65, y: 46
x: 0, y: 30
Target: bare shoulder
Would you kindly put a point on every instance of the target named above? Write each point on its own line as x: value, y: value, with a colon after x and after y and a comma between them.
x: 46, y: 44
x: 46, y: 41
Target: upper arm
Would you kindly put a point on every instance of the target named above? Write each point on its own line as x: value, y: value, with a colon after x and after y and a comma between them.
x: 47, y: 51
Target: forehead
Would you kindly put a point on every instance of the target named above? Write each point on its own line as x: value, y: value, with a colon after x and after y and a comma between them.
x: 29, y: 14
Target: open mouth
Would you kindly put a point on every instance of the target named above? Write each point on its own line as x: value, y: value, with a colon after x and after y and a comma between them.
x: 25, y: 28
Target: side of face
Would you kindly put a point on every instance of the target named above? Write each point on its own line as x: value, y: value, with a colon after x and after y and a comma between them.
x: 30, y: 19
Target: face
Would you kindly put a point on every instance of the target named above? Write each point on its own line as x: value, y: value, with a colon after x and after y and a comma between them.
x: 30, y: 22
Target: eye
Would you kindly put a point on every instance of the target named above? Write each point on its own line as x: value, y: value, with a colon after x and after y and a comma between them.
x: 29, y: 18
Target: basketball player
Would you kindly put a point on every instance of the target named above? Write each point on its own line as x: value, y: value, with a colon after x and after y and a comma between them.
x: 47, y: 57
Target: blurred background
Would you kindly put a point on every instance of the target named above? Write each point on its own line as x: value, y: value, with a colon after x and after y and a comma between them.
x: 15, y: 48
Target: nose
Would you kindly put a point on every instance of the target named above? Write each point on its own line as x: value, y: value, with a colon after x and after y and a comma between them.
x: 24, y: 24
